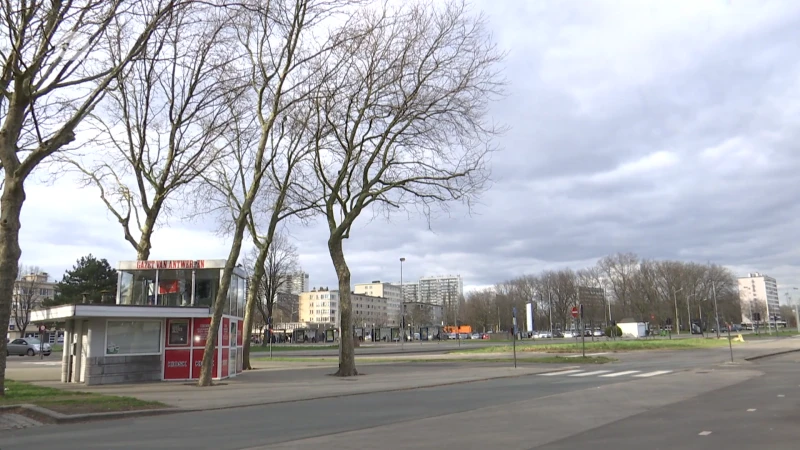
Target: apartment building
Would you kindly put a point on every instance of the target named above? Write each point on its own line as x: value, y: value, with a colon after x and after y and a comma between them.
x: 390, y: 291
x: 295, y: 283
x: 759, y: 294
x: 410, y: 291
x: 30, y: 291
x: 440, y: 289
x: 321, y: 306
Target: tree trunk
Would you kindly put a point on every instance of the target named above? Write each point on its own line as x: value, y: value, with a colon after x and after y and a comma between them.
x: 347, y: 360
x: 10, y: 208
x: 252, y: 299
x: 219, y: 306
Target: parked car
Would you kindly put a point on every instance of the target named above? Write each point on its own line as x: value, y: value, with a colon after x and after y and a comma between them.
x: 476, y: 336
x: 597, y: 333
x: 27, y: 346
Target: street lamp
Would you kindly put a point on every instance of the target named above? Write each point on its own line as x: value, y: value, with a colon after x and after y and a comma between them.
x: 402, y: 305
x: 716, y: 311
x: 675, y: 297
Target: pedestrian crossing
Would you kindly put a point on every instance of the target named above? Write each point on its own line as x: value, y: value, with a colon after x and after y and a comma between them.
x: 580, y: 373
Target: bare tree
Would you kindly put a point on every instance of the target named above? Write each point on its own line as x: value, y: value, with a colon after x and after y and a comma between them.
x: 57, y: 60
x: 26, y: 297
x: 402, y: 122
x: 160, y: 123
x: 272, y: 37
x: 280, y: 263
x: 618, y: 271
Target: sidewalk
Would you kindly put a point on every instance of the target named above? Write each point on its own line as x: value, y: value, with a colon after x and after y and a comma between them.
x: 260, y: 387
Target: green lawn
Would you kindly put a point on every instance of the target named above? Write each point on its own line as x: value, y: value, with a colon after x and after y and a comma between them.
x: 291, y: 348
x: 70, y: 402
x: 610, y: 346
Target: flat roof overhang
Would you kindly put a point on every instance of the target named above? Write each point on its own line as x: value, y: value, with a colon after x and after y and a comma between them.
x: 118, y: 311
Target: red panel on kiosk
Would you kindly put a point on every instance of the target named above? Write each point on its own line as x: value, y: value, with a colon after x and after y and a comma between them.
x: 239, y: 337
x: 200, y: 330
x: 226, y: 332
x: 197, y: 359
x: 225, y: 359
x: 176, y: 364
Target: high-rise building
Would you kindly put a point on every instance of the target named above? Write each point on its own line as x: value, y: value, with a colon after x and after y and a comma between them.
x: 389, y: 291
x: 439, y: 290
x: 759, y: 295
x: 322, y: 307
x: 410, y: 291
x: 295, y: 283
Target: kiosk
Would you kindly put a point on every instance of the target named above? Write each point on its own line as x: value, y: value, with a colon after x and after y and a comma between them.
x: 157, y: 328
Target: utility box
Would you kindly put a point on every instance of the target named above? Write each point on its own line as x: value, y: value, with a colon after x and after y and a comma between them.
x: 633, y: 329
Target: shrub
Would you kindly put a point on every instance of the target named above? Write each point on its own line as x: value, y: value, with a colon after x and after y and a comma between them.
x: 617, y: 331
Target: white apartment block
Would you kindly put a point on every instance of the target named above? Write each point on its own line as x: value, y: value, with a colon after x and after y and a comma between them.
x: 410, y: 292
x: 295, y: 283
x: 440, y: 290
x: 391, y: 292
x: 322, y: 307
x: 759, y: 293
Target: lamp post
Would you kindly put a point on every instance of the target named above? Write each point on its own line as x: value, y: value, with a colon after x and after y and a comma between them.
x: 716, y: 311
x: 677, y: 321
x: 402, y: 306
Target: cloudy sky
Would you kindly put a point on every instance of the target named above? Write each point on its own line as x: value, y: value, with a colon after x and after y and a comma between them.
x: 665, y: 128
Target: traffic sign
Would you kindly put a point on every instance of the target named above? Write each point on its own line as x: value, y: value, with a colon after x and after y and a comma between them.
x: 575, y: 312
x: 42, y: 328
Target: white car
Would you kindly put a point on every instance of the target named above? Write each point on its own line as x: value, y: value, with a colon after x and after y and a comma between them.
x: 570, y: 334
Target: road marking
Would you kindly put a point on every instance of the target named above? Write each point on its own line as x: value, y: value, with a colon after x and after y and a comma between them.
x: 653, y: 374
x: 588, y: 354
x: 619, y: 374
x: 751, y: 410
x: 587, y: 374
x: 563, y: 372
x: 45, y: 363
x: 705, y: 433
x: 781, y: 395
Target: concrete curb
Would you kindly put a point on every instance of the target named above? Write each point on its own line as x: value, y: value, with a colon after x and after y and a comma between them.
x: 767, y: 355
x: 59, y: 418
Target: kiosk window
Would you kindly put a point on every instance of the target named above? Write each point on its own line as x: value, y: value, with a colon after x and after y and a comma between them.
x: 135, y: 337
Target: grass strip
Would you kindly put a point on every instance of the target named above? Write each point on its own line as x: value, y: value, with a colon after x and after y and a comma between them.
x: 70, y: 402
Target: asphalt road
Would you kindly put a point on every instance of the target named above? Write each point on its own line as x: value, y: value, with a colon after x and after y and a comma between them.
x: 586, y: 409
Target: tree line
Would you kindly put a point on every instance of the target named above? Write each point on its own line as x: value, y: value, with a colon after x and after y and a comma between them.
x: 618, y: 287
x: 260, y: 114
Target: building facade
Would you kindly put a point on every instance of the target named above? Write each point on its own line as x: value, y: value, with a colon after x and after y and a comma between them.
x: 30, y: 291
x: 759, y: 295
x: 410, y: 292
x: 295, y: 283
x: 322, y: 307
x: 391, y: 292
x: 440, y: 290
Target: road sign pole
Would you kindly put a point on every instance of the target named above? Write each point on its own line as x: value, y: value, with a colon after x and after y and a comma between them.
x: 514, y: 341
x: 583, y: 334
x: 730, y: 344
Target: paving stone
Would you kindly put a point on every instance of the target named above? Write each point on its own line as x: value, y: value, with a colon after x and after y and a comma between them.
x: 11, y: 421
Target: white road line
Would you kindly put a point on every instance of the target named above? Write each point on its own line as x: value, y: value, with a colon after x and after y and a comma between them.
x: 653, y: 374
x: 563, y: 372
x: 781, y: 395
x: 619, y: 374
x: 751, y: 410
x: 705, y: 433
x: 588, y: 374
x: 588, y: 354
